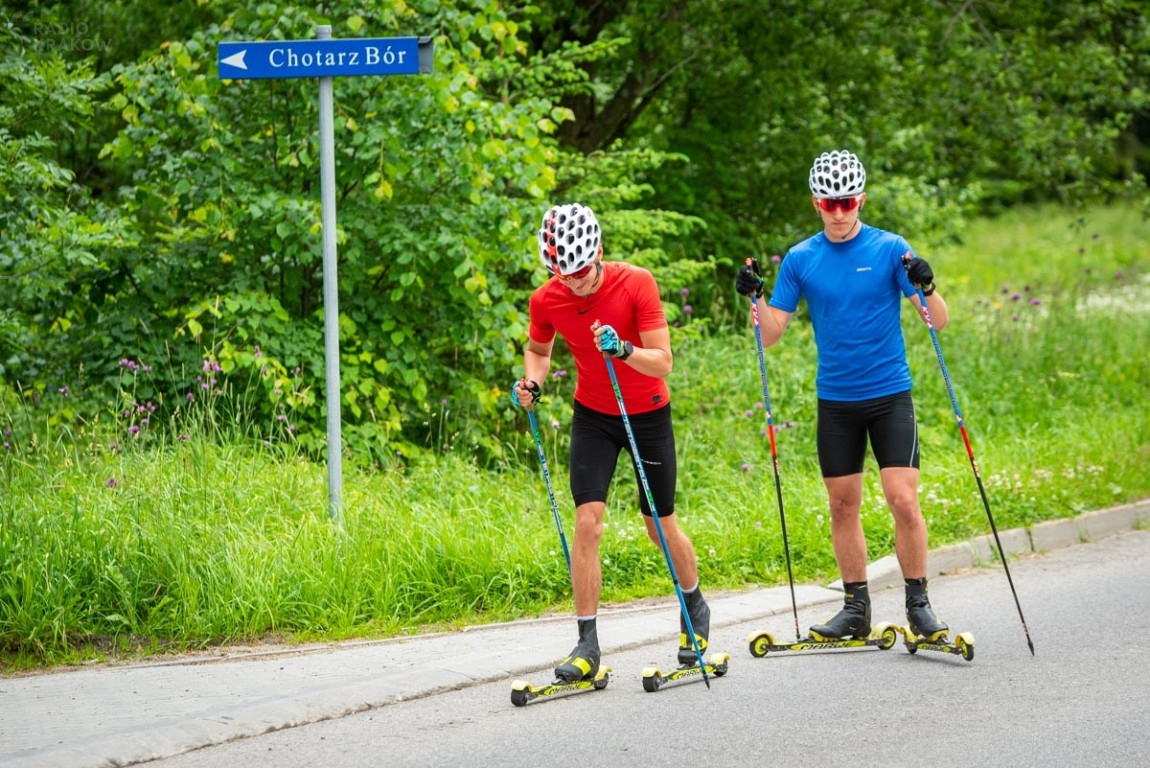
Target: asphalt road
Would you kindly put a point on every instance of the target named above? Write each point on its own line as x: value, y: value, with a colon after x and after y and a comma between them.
x: 1082, y: 700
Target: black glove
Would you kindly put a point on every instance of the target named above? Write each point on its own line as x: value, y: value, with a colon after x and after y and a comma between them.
x: 921, y: 274
x: 749, y: 281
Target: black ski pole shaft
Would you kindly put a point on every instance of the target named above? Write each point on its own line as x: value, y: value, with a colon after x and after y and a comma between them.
x: 973, y: 463
x: 774, y: 457
x: 655, y: 515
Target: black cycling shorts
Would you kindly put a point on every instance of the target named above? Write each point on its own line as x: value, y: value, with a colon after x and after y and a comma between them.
x: 844, y: 428
x: 597, y: 438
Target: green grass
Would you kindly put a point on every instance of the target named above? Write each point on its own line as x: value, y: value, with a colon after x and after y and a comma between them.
x: 167, y: 544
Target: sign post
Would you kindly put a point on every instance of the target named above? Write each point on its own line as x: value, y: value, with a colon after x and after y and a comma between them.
x: 326, y: 58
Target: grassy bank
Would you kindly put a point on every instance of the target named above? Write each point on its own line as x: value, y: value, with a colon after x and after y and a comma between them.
x: 111, y: 547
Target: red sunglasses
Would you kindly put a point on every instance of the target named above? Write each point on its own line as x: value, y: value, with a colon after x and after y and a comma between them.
x: 575, y: 275
x: 847, y: 204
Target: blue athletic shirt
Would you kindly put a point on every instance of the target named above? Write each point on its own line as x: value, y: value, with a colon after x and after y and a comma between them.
x: 853, y: 295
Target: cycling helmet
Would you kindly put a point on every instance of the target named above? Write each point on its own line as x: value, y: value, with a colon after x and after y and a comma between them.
x: 837, y: 174
x: 569, y: 238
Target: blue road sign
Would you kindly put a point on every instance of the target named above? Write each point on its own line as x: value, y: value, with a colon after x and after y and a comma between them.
x: 325, y: 58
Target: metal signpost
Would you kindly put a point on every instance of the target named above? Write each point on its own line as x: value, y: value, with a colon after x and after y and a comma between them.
x: 326, y: 58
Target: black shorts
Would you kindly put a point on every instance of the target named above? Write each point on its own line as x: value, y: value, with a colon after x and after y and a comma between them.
x: 844, y: 428
x: 597, y: 438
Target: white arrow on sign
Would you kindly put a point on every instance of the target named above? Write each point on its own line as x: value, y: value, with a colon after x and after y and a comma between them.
x: 236, y: 60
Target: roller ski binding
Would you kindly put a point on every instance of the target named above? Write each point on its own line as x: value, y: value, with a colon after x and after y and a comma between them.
x: 580, y: 671
x: 924, y: 630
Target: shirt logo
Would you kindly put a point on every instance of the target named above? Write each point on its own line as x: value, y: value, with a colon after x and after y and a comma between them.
x: 862, y: 269
x: 583, y: 311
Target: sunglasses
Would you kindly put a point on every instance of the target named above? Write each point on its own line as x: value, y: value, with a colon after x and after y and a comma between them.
x: 847, y: 204
x: 574, y: 275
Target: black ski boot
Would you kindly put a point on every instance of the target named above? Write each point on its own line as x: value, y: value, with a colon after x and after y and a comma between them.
x: 853, y: 620
x: 700, y: 614
x: 583, y: 661
x: 919, y: 614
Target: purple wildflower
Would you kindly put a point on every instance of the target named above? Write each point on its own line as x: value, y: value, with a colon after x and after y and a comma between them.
x: 111, y: 482
x: 683, y: 292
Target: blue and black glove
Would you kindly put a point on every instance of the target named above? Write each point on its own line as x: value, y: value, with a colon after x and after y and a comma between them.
x: 609, y: 343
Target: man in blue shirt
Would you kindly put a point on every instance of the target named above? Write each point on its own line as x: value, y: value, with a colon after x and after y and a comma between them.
x: 854, y: 277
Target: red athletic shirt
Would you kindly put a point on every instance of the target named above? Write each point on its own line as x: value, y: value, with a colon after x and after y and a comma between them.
x: 628, y: 300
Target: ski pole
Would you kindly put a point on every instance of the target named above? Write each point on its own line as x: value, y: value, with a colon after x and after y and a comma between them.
x: 655, y: 515
x: 774, y: 455
x: 550, y: 490
x: 973, y: 463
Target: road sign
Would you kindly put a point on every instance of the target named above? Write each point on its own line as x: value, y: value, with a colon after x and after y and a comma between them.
x: 325, y: 58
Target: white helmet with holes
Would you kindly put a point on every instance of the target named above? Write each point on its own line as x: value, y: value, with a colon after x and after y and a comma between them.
x: 569, y: 238
x: 837, y: 174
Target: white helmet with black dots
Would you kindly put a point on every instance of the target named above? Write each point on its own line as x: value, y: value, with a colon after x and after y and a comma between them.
x: 569, y: 238
x: 837, y: 174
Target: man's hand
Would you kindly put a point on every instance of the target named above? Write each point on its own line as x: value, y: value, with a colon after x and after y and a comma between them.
x: 749, y: 281
x: 920, y: 274
x: 525, y: 393
x: 608, y: 338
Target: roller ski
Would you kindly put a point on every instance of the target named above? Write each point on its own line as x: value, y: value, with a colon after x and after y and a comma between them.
x: 716, y: 664
x: 850, y: 628
x: 523, y: 692
x: 580, y: 671
x: 925, y: 631
x: 882, y: 637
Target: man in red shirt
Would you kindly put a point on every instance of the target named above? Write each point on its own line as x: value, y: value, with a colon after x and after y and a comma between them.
x: 608, y: 309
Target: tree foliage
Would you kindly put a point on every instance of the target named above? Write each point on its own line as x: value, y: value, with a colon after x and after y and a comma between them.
x: 156, y: 214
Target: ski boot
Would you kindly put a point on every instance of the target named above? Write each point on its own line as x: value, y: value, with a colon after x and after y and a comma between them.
x: 700, y: 614
x: 853, y: 621
x: 583, y: 661
x: 577, y: 673
x: 850, y: 628
x: 925, y: 630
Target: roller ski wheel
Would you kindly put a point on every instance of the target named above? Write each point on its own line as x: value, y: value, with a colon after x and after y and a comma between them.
x: 523, y: 692
x: 716, y: 665
x: 883, y: 637
x: 963, y: 644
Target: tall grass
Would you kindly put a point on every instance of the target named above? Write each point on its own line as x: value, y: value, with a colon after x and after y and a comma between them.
x: 111, y: 543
